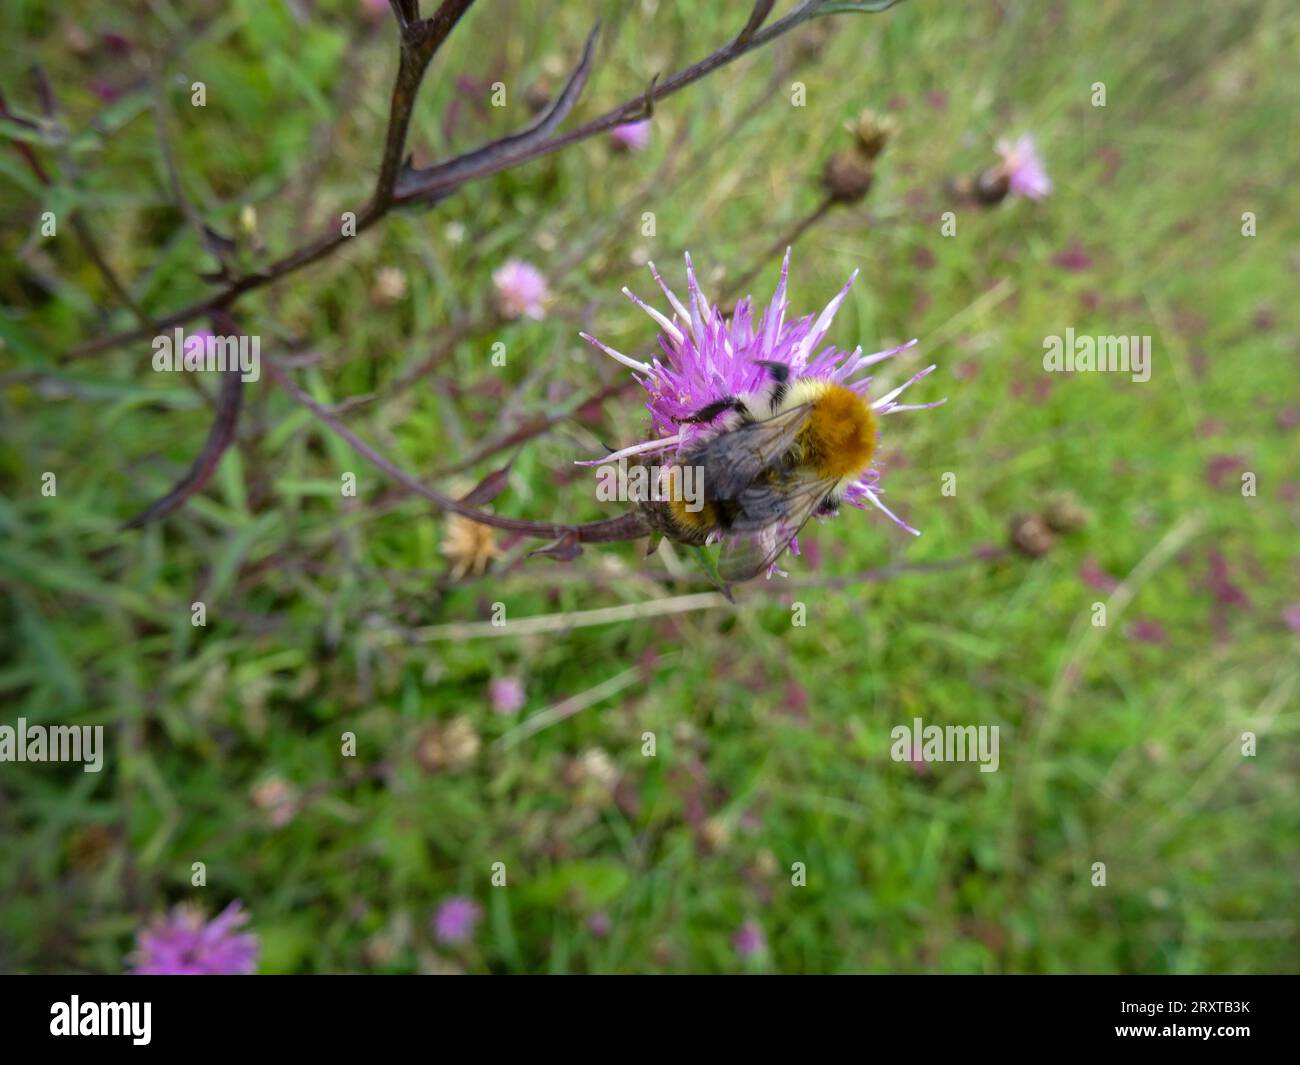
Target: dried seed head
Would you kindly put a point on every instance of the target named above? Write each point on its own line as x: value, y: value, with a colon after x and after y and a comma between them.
x: 90, y: 848
x: 276, y: 798
x: 873, y: 132
x: 1064, y: 513
x: 811, y: 41
x: 1031, y: 536
x: 537, y: 96
x: 448, y: 746
x: 992, y: 186
x: 847, y: 176
x: 389, y: 286
x: 468, y: 546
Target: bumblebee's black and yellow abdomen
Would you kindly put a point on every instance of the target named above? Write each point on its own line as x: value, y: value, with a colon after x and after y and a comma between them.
x: 674, y: 517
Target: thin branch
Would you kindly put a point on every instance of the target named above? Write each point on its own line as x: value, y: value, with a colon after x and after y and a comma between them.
x: 441, y: 180
x: 535, y: 426
x: 420, y: 41
x: 209, y: 239
x: 762, y: 8
x: 778, y: 247
x: 578, y: 619
x: 220, y: 436
x: 627, y: 526
x: 574, y: 704
x: 563, y: 622
x: 91, y: 247
x: 501, y: 153
x: 80, y: 228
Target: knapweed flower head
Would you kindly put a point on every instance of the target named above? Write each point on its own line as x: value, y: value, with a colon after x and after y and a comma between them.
x: 1023, y: 167
x: 184, y: 944
x: 749, y: 940
x: 455, y: 920
x: 706, y: 358
x: 632, y: 136
x: 506, y: 694
x: 520, y: 290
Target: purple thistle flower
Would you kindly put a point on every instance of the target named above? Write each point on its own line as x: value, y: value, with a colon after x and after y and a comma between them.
x: 1291, y: 615
x: 749, y: 940
x: 706, y: 358
x: 1095, y: 577
x: 1024, y: 168
x: 520, y: 290
x: 105, y: 91
x: 115, y: 43
x: 632, y: 136
x: 184, y: 944
x: 1147, y: 630
x: 1073, y: 258
x: 455, y: 920
x: 506, y: 694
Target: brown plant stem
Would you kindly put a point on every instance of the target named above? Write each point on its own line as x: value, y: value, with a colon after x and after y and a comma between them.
x: 401, y: 187
x: 628, y: 526
x: 778, y: 247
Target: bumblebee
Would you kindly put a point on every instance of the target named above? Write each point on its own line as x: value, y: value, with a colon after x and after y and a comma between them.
x: 784, y: 454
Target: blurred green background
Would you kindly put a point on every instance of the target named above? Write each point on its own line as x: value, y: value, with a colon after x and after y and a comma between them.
x: 328, y: 614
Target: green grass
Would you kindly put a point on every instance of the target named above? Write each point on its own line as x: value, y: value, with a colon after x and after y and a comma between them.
x: 772, y: 740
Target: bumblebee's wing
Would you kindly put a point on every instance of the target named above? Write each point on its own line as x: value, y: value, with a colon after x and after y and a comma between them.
x: 772, y: 512
x: 732, y: 460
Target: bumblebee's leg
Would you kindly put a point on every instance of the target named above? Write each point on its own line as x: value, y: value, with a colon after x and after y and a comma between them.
x: 707, y: 414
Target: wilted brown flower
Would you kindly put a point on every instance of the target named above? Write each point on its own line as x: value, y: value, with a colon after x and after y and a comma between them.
x: 447, y: 746
x: 389, y: 286
x: 873, y: 132
x: 1064, y: 513
x: 847, y: 176
x: 811, y: 41
x: 276, y: 798
x: 992, y: 186
x: 469, y: 546
x: 1031, y: 536
x: 537, y: 97
x: 90, y: 847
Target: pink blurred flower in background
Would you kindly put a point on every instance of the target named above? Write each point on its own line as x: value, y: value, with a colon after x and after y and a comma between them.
x: 633, y: 136
x: 520, y: 290
x: 1095, y: 577
x: 749, y: 940
x: 1024, y: 168
x: 1073, y: 258
x: 506, y: 694
x: 456, y: 919
x: 1147, y: 630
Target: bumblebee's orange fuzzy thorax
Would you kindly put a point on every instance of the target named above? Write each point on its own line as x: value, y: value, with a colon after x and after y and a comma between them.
x: 839, y: 436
